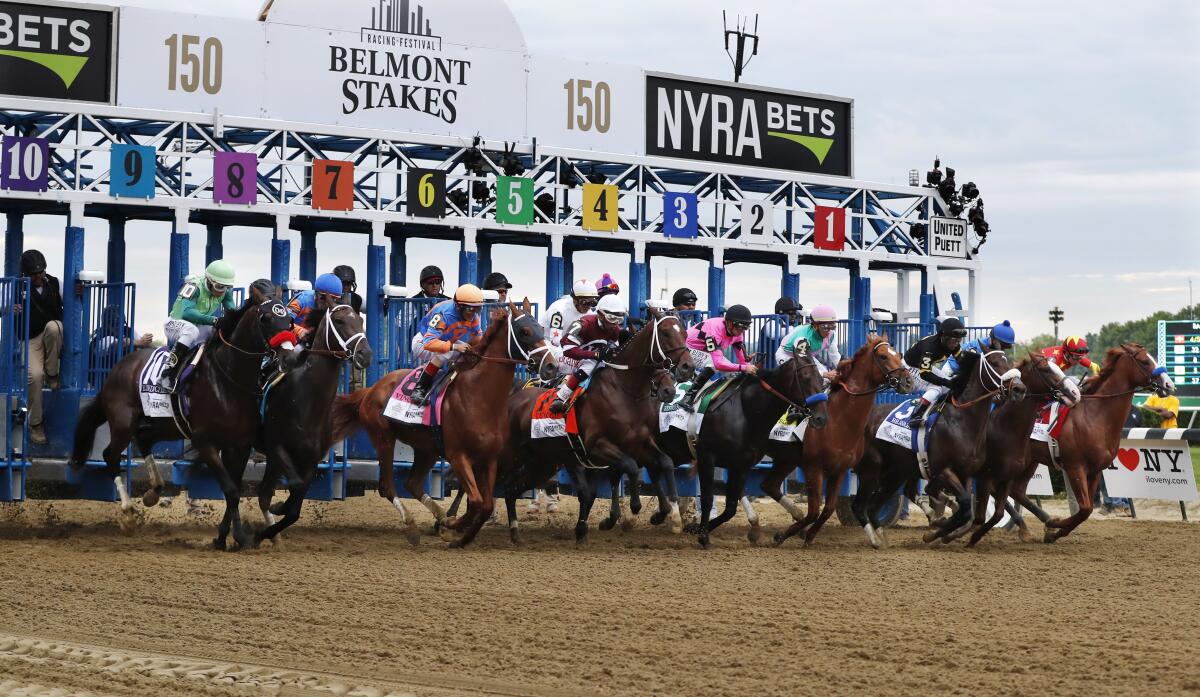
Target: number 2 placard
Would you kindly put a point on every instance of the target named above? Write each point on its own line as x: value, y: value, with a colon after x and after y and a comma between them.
x: 25, y: 165
x: 829, y: 228
x: 332, y: 185
x: 756, y: 221
x: 679, y: 214
x: 235, y: 177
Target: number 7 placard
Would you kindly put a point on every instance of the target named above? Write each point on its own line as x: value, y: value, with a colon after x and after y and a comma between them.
x: 332, y: 185
x: 829, y: 228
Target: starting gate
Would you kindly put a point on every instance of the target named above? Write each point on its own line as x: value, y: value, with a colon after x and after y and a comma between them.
x: 14, y: 354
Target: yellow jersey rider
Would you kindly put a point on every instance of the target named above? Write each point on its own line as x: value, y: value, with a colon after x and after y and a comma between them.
x: 443, y: 333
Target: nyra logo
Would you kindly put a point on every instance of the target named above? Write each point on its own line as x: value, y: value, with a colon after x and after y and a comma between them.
x: 53, y: 42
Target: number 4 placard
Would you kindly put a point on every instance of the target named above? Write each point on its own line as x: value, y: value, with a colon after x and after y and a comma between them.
x: 332, y: 185
x: 829, y: 228
x: 600, y: 207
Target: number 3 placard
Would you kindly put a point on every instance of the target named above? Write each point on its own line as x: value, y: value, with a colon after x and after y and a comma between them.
x: 829, y: 228
x: 25, y: 165
x: 679, y: 214
x: 332, y: 185
x: 235, y: 178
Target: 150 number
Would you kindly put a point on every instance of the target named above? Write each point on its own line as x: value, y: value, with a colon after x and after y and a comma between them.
x: 201, y: 68
x: 594, y: 102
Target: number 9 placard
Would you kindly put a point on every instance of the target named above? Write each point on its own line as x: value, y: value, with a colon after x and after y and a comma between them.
x: 514, y: 200
x: 25, y: 164
x: 679, y: 214
x: 235, y: 178
x: 131, y: 171
x: 426, y: 192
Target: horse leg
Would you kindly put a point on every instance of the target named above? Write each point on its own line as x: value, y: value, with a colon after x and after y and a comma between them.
x: 946, y: 531
x: 483, y: 506
x: 209, y: 455
x: 266, y: 491
x: 465, y: 470
x: 889, y: 481
x: 735, y: 487
x: 297, y: 488
x: 423, y: 461
x: 705, y: 467
x: 120, y: 433
x: 1000, y: 495
x: 145, y: 445
x: 1082, y: 484
x: 831, y: 500
x: 615, y: 510
x: 586, y: 494
x: 813, y: 479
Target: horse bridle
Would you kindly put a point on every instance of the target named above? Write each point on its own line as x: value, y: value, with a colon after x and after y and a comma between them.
x: 349, y: 345
x: 1000, y: 382
x: 262, y: 336
x: 544, y: 349
x: 656, y: 347
x: 891, y: 377
x: 1054, y: 391
x: 1147, y: 374
x: 804, y: 410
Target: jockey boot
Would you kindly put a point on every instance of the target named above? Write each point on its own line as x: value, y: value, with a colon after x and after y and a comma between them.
x: 174, y: 367
x: 559, y: 405
x: 689, y: 399
x: 420, y: 393
x: 918, y: 416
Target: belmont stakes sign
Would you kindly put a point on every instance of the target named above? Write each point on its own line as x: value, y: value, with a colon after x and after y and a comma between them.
x: 1152, y: 469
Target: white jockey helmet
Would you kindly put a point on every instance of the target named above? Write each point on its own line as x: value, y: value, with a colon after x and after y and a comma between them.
x: 610, y: 309
x: 583, y: 288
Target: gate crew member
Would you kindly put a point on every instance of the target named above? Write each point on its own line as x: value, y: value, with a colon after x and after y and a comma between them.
x: 922, y: 359
x: 432, y: 282
x: 498, y: 282
x: 45, y: 308
x: 201, y: 300
x: 708, y: 342
x: 443, y: 333
x: 349, y: 286
x: 590, y: 340
x: 565, y: 311
x: 822, y: 342
x: 309, y: 306
x: 684, y: 301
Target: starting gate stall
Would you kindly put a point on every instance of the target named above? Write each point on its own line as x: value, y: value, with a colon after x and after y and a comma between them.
x: 14, y: 354
x: 315, y: 129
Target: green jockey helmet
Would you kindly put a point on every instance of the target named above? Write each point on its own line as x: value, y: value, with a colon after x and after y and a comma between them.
x: 220, y: 272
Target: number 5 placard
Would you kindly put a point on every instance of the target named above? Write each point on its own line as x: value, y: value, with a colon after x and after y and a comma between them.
x: 829, y: 228
x: 514, y: 200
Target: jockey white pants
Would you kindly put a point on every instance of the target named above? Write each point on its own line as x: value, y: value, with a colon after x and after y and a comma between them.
x: 701, y: 359
x: 184, y: 332
x: 421, y: 356
x: 566, y: 366
x: 931, y: 392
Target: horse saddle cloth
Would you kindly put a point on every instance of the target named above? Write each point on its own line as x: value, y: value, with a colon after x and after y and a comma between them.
x: 1049, y: 425
x: 894, y: 429
x: 671, y: 416
x: 545, y: 424
x: 401, y: 407
x: 790, y: 427
x: 156, y: 401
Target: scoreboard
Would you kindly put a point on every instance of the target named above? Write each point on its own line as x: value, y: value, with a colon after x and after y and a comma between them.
x: 1179, y: 353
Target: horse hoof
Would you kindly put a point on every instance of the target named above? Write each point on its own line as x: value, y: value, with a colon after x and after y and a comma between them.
x: 692, y: 528
x: 447, y: 534
x: 658, y: 518
x: 1054, y: 523
x: 627, y: 524
x: 779, y: 538
x: 514, y: 536
x: 218, y: 544
x: 931, y: 536
x: 607, y: 524
x: 1050, y: 536
x: 456, y: 544
x: 675, y: 527
x: 412, y: 534
x: 704, y: 542
x: 277, y: 507
x: 1024, y: 535
x: 150, y: 498
x: 754, y: 534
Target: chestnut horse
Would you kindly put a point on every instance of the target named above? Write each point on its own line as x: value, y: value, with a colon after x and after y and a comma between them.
x: 1092, y: 432
x: 296, y: 433
x: 1006, y: 457
x: 618, y: 422
x: 955, y: 444
x: 473, y: 414
x: 825, y: 456
x: 224, y: 409
x: 734, y: 433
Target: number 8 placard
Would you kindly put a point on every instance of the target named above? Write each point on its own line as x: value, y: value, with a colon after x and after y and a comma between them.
x: 235, y: 178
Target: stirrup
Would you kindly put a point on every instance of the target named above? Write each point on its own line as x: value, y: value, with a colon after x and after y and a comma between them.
x: 419, y: 396
x: 558, y: 406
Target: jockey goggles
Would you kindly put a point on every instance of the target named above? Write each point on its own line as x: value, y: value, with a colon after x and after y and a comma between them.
x: 218, y: 287
x: 740, y: 325
x: 588, y: 301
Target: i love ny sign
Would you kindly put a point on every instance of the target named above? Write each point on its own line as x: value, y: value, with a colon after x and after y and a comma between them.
x: 1152, y: 469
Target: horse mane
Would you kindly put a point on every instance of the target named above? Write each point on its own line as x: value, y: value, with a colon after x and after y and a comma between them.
x: 494, y: 322
x: 843, y: 367
x: 655, y: 315
x: 967, y: 361
x: 1111, y: 357
x: 229, y: 321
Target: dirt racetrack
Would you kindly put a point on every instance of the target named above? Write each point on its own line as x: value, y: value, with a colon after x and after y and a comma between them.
x: 345, y: 606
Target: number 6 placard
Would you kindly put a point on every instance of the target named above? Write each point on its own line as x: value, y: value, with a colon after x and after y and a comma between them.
x: 426, y: 196
x: 829, y: 228
x: 235, y: 178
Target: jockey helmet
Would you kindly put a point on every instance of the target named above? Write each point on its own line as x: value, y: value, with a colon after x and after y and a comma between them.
x: 1076, y: 345
x: 32, y: 261
x: 785, y: 305
x: 739, y: 315
x: 220, y: 273
x: 583, y: 288
x: 496, y: 280
x: 952, y: 326
x: 469, y: 294
x: 1004, y: 333
x: 823, y: 313
x: 683, y: 296
x: 328, y: 284
x: 346, y: 273
x: 607, y: 286
x: 610, y: 309
x: 431, y: 273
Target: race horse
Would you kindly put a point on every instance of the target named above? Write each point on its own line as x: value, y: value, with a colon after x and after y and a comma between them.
x: 734, y: 431
x: 1091, y: 433
x: 473, y: 426
x: 296, y: 433
x: 826, y: 455
x: 223, y: 419
x: 955, y: 445
x: 617, y: 421
x: 1006, y: 454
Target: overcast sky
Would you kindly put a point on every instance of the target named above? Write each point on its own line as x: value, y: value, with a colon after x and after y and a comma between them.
x: 1079, y: 121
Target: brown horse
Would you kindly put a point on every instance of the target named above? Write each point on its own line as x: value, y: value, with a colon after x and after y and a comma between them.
x: 224, y: 409
x: 826, y: 455
x: 618, y: 423
x: 1092, y: 432
x: 955, y: 450
x: 473, y: 428
x: 1006, y: 457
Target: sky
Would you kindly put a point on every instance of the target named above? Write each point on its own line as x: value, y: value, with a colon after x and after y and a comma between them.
x: 1079, y: 122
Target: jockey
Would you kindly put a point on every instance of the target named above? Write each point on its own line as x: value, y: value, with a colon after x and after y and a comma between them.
x: 349, y: 286
x: 922, y: 359
x: 606, y: 286
x: 822, y: 342
x: 444, y: 332
x: 325, y: 293
x: 1072, y: 352
x: 201, y: 299
x: 708, y: 342
x: 775, y: 329
x: 1000, y: 338
x: 684, y: 300
x: 564, y: 312
x: 589, y: 341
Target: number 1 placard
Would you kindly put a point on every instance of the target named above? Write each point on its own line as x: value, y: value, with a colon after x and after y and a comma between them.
x: 235, y: 177
x: 25, y: 165
x: 332, y: 185
x: 679, y: 214
x: 829, y: 228
x: 131, y: 171
x: 514, y: 200
x: 600, y: 207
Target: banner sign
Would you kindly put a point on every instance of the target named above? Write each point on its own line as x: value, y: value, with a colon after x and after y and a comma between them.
x: 586, y: 105
x: 1152, y: 469
x: 750, y: 126
x: 948, y: 237
x: 53, y: 52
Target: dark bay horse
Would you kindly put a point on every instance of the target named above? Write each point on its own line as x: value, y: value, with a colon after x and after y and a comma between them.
x: 826, y: 455
x: 1006, y: 456
x: 734, y: 433
x: 473, y: 419
x: 1091, y: 434
x: 296, y: 433
x: 224, y: 408
x: 955, y: 444
x: 618, y: 423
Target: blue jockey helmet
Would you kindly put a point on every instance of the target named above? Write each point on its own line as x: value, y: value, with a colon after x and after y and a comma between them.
x: 329, y: 284
x: 1004, y: 333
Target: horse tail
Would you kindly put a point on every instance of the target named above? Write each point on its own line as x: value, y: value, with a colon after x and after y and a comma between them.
x: 345, y: 415
x: 91, y: 418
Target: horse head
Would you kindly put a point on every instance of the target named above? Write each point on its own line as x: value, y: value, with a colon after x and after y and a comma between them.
x: 661, y: 343
x: 525, y: 339
x: 1143, y: 371
x: 257, y: 328
x: 341, y: 334
x: 988, y: 373
x: 884, y: 365
x: 662, y: 386
x: 805, y: 385
x: 1039, y: 369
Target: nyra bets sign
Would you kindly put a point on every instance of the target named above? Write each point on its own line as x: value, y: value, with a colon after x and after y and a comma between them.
x: 752, y: 126
x: 55, y: 52
x: 1152, y: 469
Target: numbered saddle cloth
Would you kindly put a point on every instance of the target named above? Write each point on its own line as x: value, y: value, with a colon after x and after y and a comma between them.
x: 894, y: 429
x: 671, y: 416
x: 1050, y: 422
x: 788, y: 430
x: 401, y: 407
x: 545, y: 424
x: 156, y: 401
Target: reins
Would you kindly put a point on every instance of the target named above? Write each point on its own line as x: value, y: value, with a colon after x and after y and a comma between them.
x: 991, y: 373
